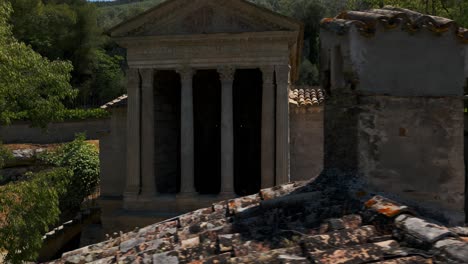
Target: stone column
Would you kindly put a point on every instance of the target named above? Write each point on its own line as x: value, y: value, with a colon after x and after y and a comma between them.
x: 132, y: 186
x: 147, y: 134
x: 268, y: 128
x: 187, y: 134
x: 226, y: 75
x: 282, y: 124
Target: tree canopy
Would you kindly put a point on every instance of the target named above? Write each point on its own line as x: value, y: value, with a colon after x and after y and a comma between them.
x: 68, y: 30
x: 30, y: 84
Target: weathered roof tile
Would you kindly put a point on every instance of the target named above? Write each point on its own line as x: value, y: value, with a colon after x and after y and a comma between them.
x: 274, y: 230
x: 452, y: 251
x: 305, y: 96
x: 391, y: 18
x: 386, y: 206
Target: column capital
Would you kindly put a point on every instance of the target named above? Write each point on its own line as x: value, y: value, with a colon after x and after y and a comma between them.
x: 133, y: 76
x: 144, y: 72
x: 226, y: 73
x: 267, y: 73
x: 185, y: 72
x: 147, y: 78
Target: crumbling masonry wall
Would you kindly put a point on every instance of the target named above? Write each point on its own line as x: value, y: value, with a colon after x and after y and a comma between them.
x: 394, y: 112
x: 413, y: 147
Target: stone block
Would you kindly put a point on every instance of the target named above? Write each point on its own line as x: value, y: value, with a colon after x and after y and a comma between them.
x: 421, y: 229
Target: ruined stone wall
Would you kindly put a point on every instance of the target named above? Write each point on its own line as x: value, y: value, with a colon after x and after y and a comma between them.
x: 306, y: 139
x: 113, y: 155
x: 413, y: 147
x: 394, y: 113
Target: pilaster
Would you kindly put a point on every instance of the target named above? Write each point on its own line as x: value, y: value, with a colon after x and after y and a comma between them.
x: 133, y: 181
x: 147, y: 133
x: 282, y: 124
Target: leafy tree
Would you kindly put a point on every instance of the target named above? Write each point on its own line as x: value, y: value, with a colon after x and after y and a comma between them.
x: 27, y: 209
x: 111, y: 14
x: 29, y: 83
x: 61, y: 29
x: 309, y: 73
x: 107, y: 81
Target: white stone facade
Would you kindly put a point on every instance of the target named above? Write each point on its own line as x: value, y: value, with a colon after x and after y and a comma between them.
x: 186, y: 38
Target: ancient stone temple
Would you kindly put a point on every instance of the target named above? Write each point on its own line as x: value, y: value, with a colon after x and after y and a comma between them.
x: 208, y: 99
x: 395, y: 79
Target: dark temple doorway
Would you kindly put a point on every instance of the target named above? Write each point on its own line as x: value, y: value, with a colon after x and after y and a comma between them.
x: 247, y: 96
x: 207, y: 120
x: 167, y: 89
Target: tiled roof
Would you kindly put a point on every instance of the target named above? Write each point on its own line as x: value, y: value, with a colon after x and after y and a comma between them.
x: 118, y: 102
x: 305, y: 96
x: 295, y: 223
x: 390, y: 18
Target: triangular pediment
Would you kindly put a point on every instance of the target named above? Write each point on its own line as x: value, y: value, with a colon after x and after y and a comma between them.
x: 183, y: 17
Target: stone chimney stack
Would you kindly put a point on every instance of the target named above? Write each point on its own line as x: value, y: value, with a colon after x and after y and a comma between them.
x: 394, y: 114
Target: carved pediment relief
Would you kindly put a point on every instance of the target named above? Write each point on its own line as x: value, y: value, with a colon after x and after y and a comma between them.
x: 200, y: 17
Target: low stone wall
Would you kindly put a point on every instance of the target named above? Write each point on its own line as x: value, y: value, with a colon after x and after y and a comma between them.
x: 306, y: 133
x: 22, y: 132
x: 113, y: 155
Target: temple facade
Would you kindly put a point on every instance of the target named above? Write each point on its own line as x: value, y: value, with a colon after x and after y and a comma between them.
x: 207, y: 111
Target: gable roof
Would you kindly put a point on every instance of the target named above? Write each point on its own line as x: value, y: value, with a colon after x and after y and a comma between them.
x: 172, y: 8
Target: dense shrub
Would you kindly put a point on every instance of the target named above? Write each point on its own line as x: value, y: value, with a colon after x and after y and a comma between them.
x: 27, y: 210
x: 82, y: 114
x: 82, y: 159
x: 68, y: 114
x: 5, y: 154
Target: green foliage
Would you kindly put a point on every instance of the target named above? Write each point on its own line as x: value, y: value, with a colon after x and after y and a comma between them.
x: 83, y: 114
x: 107, y: 81
x: 5, y: 155
x: 68, y: 30
x: 115, y: 13
x: 309, y: 74
x: 82, y: 159
x: 27, y: 210
x: 68, y: 114
x: 29, y: 83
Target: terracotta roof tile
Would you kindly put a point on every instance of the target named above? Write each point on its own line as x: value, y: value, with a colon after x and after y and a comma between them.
x: 391, y: 18
x: 292, y: 223
x: 306, y: 96
x: 386, y: 206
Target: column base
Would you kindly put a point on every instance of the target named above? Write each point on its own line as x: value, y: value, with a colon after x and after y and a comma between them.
x: 148, y: 197
x: 173, y: 203
x: 226, y: 196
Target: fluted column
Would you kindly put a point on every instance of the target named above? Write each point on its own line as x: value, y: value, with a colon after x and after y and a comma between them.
x: 226, y: 75
x: 187, y: 135
x: 282, y: 124
x: 132, y: 186
x: 268, y: 128
x: 147, y: 134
